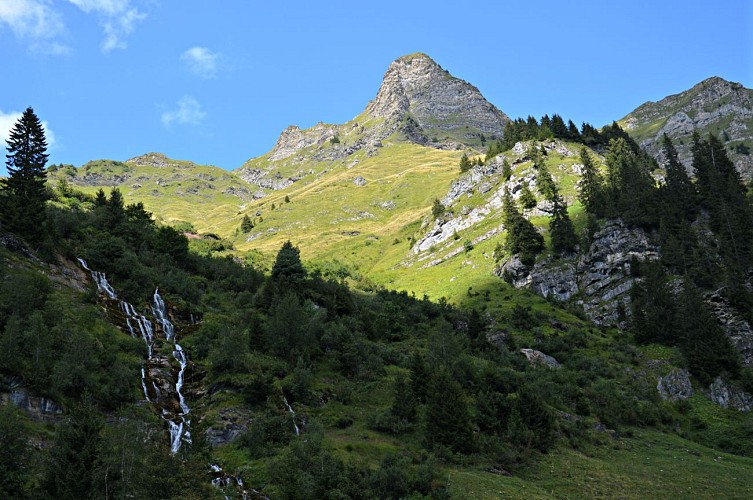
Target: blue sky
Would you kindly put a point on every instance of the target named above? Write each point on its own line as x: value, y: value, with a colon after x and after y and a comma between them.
x: 216, y: 82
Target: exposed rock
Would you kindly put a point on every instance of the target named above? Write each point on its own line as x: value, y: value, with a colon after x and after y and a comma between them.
x: 417, y: 85
x: 714, y: 105
x: 231, y: 423
x: 359, y: 181
x: 38, y: 408
x: 538, y: 358
x: 600, y: 278
x: 675, y: 386
x: 737, y: 329
x: 727, y: 396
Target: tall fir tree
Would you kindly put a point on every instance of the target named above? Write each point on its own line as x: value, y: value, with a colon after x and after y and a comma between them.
x: 561, y: 227
x: 591, y: 191
x: 24, y: 189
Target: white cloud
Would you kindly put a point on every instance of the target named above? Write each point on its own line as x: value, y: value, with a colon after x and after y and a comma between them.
x: 108, y: 7
x: 8, y: 121
x: 35, y: 21
x: 189, y: 112
x: 201, y: 61
x: 117, y: 17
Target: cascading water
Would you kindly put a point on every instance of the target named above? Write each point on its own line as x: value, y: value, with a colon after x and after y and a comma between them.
x: 160, y: 313
x: 292, y: 413
x: 178, y: 424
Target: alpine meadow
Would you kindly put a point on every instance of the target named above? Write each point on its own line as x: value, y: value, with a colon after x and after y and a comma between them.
x: 431, y: 300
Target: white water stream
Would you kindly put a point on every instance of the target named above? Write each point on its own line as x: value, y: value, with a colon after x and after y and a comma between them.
x: 178, y: 424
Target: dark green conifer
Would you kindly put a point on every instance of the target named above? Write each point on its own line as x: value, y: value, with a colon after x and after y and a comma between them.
x: 24, y: 190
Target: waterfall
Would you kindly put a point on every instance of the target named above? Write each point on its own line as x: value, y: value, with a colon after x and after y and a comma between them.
x: 160, y: 313
x: 100, y: 280
x: 178, y: 424
x: 292, y: 413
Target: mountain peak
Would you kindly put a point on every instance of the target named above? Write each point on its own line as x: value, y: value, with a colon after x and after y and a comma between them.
x: 438, y: 101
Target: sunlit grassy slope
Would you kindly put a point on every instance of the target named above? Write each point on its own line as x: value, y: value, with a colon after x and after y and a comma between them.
x: 362, y: 214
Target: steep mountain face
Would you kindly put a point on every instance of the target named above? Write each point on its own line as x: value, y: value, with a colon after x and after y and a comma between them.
x: 418, y: 102
x: 441, y: 104
x: 713, y: 106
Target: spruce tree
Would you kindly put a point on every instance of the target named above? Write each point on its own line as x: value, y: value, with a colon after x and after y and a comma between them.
x: 24, y: 189
x: 561, y: 228
x: 591, y: 190
x: 465, y: 163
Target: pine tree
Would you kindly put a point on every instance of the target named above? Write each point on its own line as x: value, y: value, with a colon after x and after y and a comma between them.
x: 561, y: 228
x: 522, y: 237
x: 24, y: 189
x: 591, y: 190
x: 465, y: 163
x: 527, y: 199
x: 288, y: 266
x: 246, y: 224
x: 447, y: 418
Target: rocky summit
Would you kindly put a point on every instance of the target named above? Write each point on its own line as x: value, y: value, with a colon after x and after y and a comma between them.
x: 441, y: 104
x: 418, y: 102
x: 714, y: 105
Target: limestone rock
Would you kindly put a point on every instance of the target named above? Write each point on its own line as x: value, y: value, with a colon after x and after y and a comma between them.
x: 727, y: 396
x: 600, y: 278
x: 675, y: 386
x: 538, y: 358
x: 438, y: 101
x: 713, y: 105
x: 737, y: 329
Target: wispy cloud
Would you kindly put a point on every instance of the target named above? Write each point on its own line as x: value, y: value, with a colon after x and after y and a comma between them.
x: 189, y: 112
x: 117, y: 17
x: 201, y: 61
x: 8, y: 121
x: 34, y: 22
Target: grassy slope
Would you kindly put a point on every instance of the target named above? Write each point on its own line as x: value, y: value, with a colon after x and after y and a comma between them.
x: 650, y: 464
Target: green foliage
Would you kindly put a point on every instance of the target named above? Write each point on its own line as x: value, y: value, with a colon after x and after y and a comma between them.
x: 23, y: 191
x: 465, y: 163
x: 246, y: 224
x: 522, y: 237
x: 14, y: 453
x: 527, y: 198
x: 437, y: 209
x: 564, y: 239
x: 288, y: 267
x: 591, y: 193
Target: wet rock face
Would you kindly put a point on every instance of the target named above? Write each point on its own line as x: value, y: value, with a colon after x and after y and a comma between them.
x: 675, y: 386
x: 599, y: 280
x: 38, y: 408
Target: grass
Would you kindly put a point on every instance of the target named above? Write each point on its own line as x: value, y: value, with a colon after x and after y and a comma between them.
x: 650, y: 464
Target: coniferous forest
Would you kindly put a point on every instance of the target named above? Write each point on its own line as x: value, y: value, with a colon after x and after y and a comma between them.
x: 345, y: 393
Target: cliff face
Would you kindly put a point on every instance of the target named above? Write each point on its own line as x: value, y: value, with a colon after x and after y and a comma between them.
x: 599, y: 280
x: 713, y: 106
x: 439, y: 102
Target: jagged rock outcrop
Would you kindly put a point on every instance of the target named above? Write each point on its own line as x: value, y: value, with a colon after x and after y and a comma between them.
x: 675, y: 385
x: 714, y: 105
x: 598, y: 280
x: 438, y: 101
x: 727, y: 396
